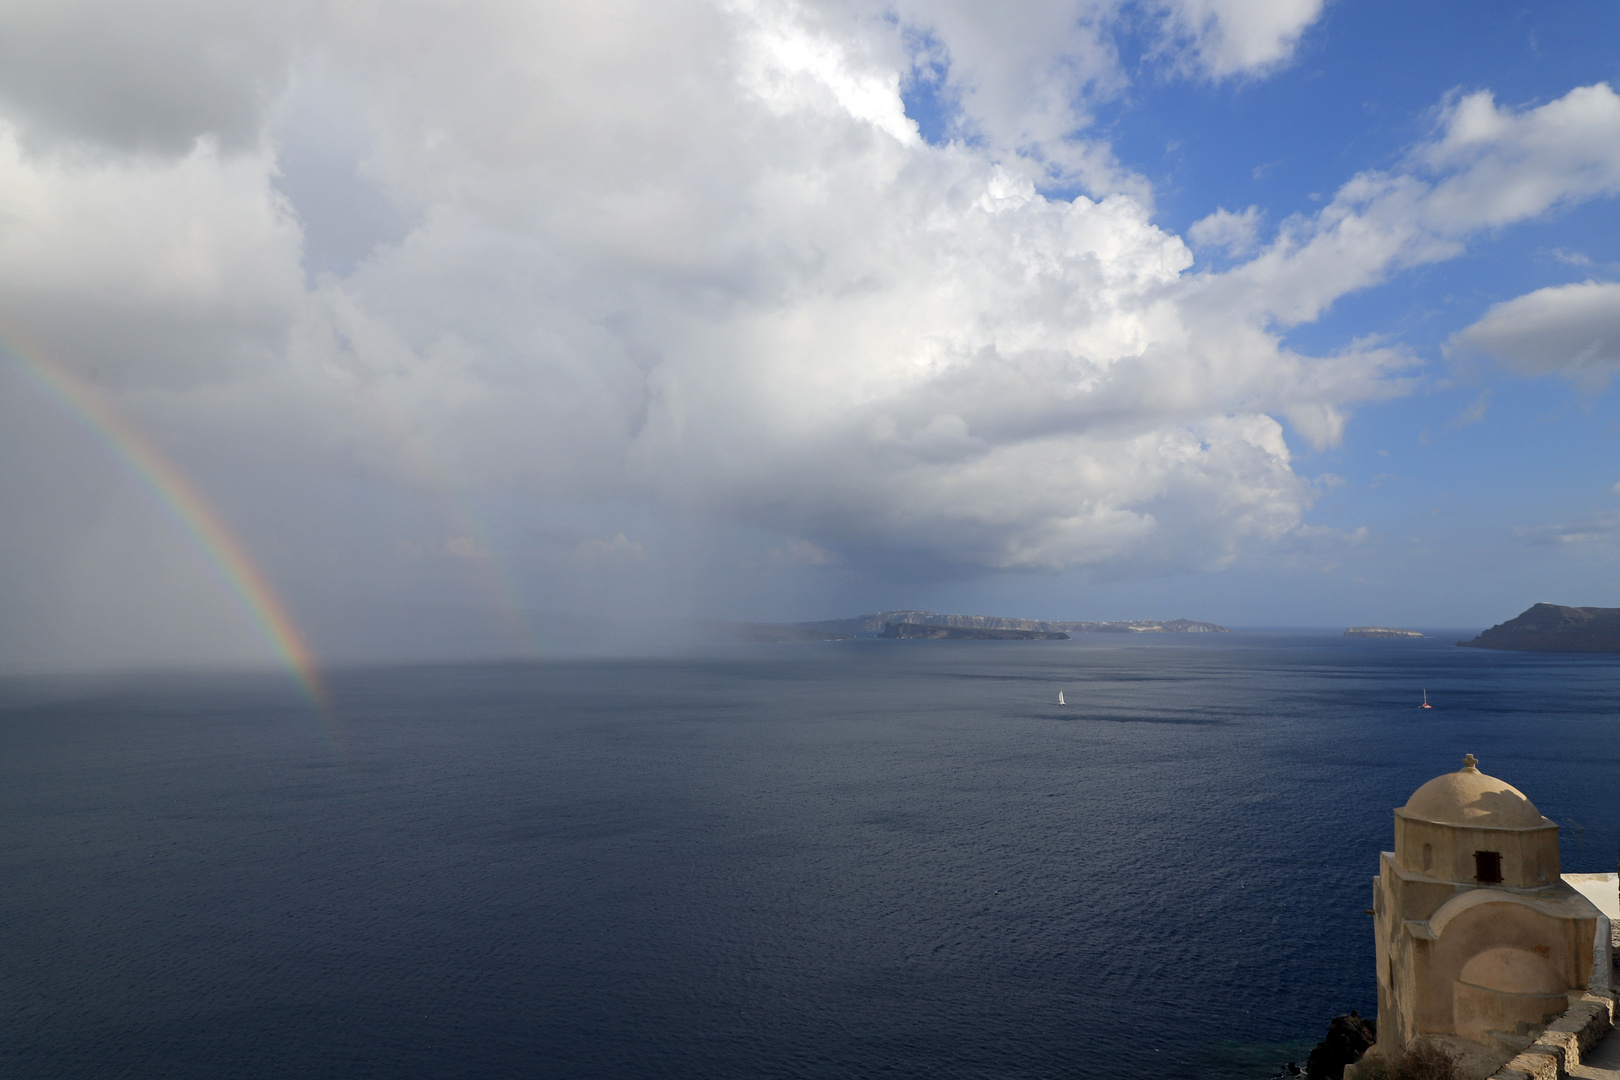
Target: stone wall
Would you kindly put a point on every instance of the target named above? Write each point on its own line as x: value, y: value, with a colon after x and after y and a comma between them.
x: 1564, y: 1041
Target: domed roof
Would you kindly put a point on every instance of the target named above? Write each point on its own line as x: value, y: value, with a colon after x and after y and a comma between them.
x: 1469, y: 797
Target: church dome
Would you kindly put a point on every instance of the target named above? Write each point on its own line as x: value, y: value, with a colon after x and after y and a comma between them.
x: 1469, y: 797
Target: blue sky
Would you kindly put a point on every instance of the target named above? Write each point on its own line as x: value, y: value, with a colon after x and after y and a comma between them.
x: 465, y: 316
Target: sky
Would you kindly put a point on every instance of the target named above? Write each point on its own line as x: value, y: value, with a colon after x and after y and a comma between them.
x: 426, y: 329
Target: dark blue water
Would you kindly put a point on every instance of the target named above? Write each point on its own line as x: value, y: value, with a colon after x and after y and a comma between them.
x: 868, y: 859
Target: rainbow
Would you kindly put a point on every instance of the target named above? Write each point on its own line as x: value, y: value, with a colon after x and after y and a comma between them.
x: 183, y: 501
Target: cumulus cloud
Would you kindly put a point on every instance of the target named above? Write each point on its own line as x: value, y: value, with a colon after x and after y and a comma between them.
x: 158, y: 267
x: 695, y: 256
x: 1233, y: 37
x: 1570, y: 329
x: 154, y: 76
x: 1236, y: 233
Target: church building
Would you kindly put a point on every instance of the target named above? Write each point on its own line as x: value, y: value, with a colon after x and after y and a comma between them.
x: 1479, y: 935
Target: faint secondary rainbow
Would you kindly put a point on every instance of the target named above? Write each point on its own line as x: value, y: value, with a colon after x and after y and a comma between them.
x: 415, y: 447
x: 182, y: 499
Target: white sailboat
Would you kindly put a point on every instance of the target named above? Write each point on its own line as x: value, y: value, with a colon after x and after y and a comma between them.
x: 1060, y: 698
x: 1425, y: 704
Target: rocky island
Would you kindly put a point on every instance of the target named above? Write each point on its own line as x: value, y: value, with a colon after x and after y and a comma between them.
x: 912, y: 630
x: 1380, y: 631
x: 1554, y: 628
x: 874, y: 624
x: 934, y: 626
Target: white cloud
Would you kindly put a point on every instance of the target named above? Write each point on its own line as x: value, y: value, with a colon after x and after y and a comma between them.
x: 1500, y: 166
x: 794, y: 72
x: 1573, y: 258
x: 1236, y: 233
x: 1487, y: 167
x: 1598, y: 529
x: 1027, y: 84
x: 1233, y: 37
x: 1573, y: 329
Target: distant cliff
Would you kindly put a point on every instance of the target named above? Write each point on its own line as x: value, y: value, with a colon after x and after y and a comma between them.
x: 1380, y: 631
x: 1004, y: 629
x: 1553, y: 628
x: 874, y: 624
x: 915, y: 630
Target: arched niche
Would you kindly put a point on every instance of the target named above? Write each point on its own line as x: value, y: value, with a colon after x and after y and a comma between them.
x: 1500, y: 988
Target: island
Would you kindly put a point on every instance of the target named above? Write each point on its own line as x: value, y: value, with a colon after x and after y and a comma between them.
x: 930, y: 632
x: 934, y: 626
x: 873, y: 625
x: 1555, y: 628
x: 1380, y: 631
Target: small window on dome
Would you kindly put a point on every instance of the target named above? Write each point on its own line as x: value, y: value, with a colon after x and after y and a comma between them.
x: 1488, y: 867
x: 1428, y: 856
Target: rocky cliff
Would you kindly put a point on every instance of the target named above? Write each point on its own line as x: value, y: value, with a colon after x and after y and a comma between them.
x: 1554, y: 628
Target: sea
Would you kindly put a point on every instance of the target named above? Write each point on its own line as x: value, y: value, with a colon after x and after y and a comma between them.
x: 886, y: 859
